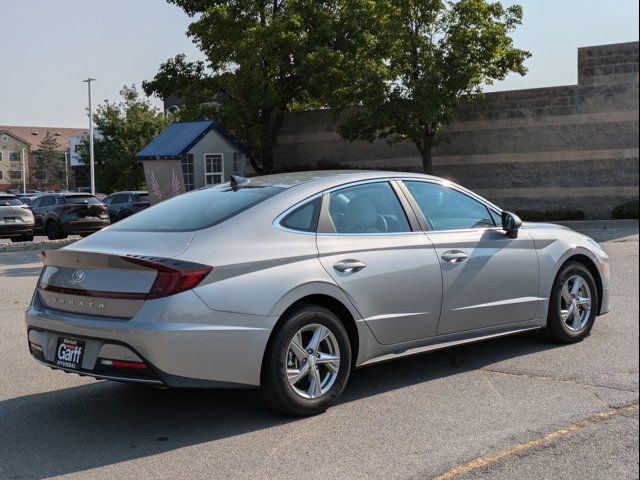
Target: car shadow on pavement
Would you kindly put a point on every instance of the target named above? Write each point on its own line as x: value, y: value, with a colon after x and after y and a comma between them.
x: 75, y: 429
x: 21, y: 272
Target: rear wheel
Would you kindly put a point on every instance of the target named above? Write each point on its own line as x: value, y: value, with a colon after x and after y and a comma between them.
x: 574, y: 304
x: 307, y: 363
x: 52, y: 230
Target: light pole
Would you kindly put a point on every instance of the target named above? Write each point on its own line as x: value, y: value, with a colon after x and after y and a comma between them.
x: 67, y: 155
x: 91, y: 159
x: 24, y: 173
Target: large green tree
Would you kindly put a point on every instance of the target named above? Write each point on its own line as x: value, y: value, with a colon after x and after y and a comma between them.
x: 264, y: 58
x: 50, y: 160
x: 124, y: 128
x: 435, y: 54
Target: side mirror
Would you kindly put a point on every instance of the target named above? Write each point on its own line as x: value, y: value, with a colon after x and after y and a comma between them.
x: 511, y: 223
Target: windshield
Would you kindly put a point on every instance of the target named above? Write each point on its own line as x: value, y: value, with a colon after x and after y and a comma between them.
x: 197, y: 210
x: 83, y: 199
x: 10, y: 202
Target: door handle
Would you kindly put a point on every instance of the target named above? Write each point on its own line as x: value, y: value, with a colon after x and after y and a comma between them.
x: 349, y: 266
x: 455, y: 256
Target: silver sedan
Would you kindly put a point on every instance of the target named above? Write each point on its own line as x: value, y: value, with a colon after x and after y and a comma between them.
x: 288, y: 282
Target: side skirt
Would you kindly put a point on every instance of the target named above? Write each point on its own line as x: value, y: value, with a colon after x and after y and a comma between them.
x: 393, y: 352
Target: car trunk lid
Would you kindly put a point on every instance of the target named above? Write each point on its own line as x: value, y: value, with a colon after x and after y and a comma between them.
x: 113, y: 277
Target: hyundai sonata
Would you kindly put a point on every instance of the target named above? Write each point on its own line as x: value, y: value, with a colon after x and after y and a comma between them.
x: 288, y: 282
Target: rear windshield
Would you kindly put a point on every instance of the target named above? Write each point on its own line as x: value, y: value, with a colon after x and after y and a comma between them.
x: 9, y: 202
x: 82, y: 199
x: 197, y: 210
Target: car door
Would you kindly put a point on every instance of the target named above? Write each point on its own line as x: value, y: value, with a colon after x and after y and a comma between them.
x: 367, y: 243
x: 39, y: 208
x: 490, y: 278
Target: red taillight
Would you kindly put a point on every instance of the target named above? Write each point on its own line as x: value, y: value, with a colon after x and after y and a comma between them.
x: 173, y: 276
x: 26, y: 207
x: 42, y: 255
x: 123, y: 364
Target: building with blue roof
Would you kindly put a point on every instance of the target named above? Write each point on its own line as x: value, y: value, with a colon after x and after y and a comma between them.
x: 207, y: 152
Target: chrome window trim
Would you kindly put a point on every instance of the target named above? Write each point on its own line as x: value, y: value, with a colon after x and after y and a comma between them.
x: 277, y: 223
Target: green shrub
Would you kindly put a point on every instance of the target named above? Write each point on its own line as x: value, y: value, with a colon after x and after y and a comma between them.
x: 627, y: 210
x: 554, y: 215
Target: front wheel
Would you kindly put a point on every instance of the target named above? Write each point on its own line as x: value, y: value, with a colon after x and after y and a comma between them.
x: 574, y: 304
x: 307, y: 363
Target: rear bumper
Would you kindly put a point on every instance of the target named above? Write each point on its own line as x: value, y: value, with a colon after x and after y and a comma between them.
x: 185, y: 344
x: 78, y: 227
x: 13, y: 230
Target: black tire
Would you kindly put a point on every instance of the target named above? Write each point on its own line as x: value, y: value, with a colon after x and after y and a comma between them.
x: 275, y: 388
x: 52, y: 230
x: 23, y: 238
x: 122, y: 215
x: 557, y: 330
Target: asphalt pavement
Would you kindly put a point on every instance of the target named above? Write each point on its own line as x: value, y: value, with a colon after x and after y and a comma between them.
x: 518, y: 407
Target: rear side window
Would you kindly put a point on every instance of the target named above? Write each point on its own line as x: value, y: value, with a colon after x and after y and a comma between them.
x: 445, y: 208
x: 10, y: 202
x: 371, y: 208
x: 83, y: 199
x: 197, y: 210
x: 304, y: 218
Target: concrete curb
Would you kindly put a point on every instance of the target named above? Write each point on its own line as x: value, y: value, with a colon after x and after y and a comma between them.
x: 31, y: 246
x: 580, y: 225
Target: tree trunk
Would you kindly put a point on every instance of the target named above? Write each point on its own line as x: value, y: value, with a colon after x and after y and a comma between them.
x: 427, y: 161
x: 267, y: 162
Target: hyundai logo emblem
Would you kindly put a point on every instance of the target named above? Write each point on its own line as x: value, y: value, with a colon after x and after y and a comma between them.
x: 78, y: 276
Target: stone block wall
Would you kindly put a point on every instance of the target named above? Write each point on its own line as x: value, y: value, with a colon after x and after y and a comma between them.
x: 570, y: 146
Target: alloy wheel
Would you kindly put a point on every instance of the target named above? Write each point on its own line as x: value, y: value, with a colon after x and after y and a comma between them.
x: 313, y: 361
x: 575, y: 303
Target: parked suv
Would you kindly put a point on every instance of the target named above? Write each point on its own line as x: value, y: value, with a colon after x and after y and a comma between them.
x: 16, y: 219
x: 124, y: 204
x: 58, y: 215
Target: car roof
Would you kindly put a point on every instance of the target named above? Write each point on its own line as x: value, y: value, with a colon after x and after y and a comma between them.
x: 314, y: 181
x: 127, y: 192
x: 289, y: 180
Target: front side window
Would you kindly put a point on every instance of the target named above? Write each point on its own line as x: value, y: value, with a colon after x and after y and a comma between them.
x: 445, y: 208
x: 304, y: 218
x: 213, y: 172
x: 187, y: 172
x: 197, y: 210
x: 372, y: 208
x: 47, y: 202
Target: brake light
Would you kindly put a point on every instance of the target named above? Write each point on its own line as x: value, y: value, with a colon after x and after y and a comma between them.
x: 173, y: 276
x: 42, y: 255
x: 26, y: 207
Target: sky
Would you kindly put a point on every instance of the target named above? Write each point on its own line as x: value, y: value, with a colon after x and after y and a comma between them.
x: 49, y: 46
